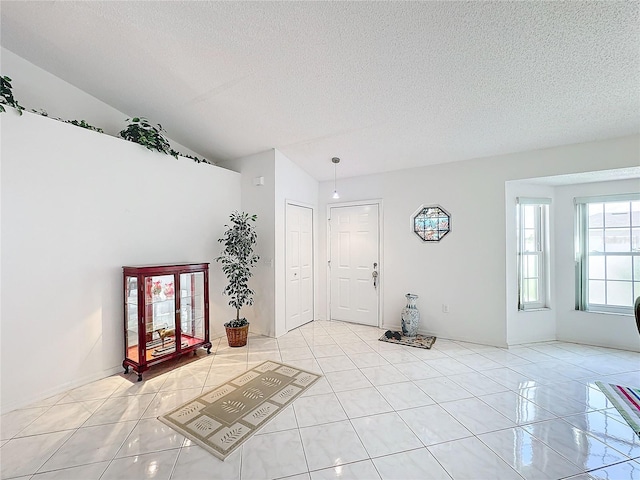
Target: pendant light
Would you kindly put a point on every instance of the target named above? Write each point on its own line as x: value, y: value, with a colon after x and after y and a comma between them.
x: 335, y: 161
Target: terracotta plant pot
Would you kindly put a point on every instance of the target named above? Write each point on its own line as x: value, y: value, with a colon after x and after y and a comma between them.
x: 237, y: 336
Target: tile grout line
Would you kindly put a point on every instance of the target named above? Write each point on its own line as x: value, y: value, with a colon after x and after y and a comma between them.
x: 304, y: 452
x: 308, y: 340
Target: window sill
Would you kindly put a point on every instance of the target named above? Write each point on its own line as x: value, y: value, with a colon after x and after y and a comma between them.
x: 541, y: 309
x: 597, y: 312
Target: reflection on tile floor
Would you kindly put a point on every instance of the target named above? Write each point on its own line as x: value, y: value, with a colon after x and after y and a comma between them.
x: 383, y: 411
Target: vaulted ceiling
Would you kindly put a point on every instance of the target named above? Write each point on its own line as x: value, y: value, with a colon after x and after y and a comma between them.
x: 383, y: 85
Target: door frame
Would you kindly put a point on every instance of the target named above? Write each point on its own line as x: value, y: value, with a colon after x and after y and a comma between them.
x: 295, y: 203
x: 359, y: 203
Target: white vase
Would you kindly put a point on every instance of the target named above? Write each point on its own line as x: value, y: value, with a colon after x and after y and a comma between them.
x: 410, y: 316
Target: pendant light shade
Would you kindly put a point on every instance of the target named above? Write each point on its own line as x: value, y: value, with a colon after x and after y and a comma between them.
x: 335, y: 161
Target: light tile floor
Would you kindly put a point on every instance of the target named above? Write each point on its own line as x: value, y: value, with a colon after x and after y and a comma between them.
x: 459, y: 410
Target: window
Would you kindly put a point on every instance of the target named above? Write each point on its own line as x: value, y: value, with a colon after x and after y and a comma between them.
x: 533, y: 270
x: 431, y: 223
x: 608, y: 253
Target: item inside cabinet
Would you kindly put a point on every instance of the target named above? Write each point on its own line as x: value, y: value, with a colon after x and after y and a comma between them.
x: 170, y: 348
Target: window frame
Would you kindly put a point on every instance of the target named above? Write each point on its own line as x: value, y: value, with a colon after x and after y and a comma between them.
x: 541, y: 234
x: 582, y: 255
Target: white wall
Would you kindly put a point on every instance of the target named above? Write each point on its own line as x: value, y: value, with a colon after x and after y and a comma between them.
x: 537, y: 325
x: 77, y: 206
x: 467, y: 269
x: 439, y: 273
x: 283, y: 181
x: 586, y: 327
x: 295, y: 185
x: 35, y: 88
x: 259, y: 200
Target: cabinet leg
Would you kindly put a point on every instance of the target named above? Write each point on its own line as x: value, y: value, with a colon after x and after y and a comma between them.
x: 126, y: 369
x: 209, y: 351
x: 139, y: 377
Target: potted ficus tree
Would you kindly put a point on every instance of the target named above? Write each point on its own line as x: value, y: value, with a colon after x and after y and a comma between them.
x: 237, y: 259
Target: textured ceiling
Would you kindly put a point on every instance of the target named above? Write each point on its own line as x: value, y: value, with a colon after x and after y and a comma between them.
x: 383, y: 85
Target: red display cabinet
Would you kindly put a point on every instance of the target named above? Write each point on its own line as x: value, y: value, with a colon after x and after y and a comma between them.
x: 166, y: 313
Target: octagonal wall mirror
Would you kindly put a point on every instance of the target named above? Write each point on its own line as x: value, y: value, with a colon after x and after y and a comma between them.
x: 431, y: 223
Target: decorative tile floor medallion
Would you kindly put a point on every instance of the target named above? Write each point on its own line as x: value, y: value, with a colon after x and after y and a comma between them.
x: 222, y: 419
x: 419, y: 341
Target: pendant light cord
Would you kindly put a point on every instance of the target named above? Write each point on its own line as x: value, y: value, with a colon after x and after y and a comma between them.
x: 335, y: 161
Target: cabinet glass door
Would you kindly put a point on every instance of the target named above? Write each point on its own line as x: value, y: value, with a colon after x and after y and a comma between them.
x: 131, y: 314
x: 160, y: 320
x: 192, y: 307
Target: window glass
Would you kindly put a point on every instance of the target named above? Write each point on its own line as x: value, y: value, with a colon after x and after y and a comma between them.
x: 530, y: 240
x: 596, y: 267
x: 619, y: 268
x: 616, y: 214
x: 635, y: 214
x: 635, y: 239
x: 617, y: 240
x: 531, y: 290
x: 532, y: 273
x: 636, y: 268
x: 596, y: 240
x: 532, y: 266
x: 595, y: 215
x: 596, y: 292
x: 619, y: 293
x: 529, y: 217
x: 609, y: 254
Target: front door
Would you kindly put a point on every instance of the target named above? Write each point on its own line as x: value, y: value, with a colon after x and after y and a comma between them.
x: 299, y: 265
x: 354, y: 259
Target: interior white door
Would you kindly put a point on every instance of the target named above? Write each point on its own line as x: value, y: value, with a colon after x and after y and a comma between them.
x: 299, y: 265
x: 354, y: 257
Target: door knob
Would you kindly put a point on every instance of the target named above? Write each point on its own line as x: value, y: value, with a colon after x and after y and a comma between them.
x: 374, y: 274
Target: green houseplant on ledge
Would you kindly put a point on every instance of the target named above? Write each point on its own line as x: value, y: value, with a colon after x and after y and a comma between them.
x: 141, y: 131
x: 237, y: 260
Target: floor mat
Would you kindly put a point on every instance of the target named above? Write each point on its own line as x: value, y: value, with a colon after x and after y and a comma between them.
x: 222, y: 419
x: 627, y: 402
x: 419, y: 341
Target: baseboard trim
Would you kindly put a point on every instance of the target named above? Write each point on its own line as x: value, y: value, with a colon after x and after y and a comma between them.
x: 461, y: 338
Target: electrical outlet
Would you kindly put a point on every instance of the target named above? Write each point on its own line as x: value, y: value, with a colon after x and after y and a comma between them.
x: 445, y: 308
